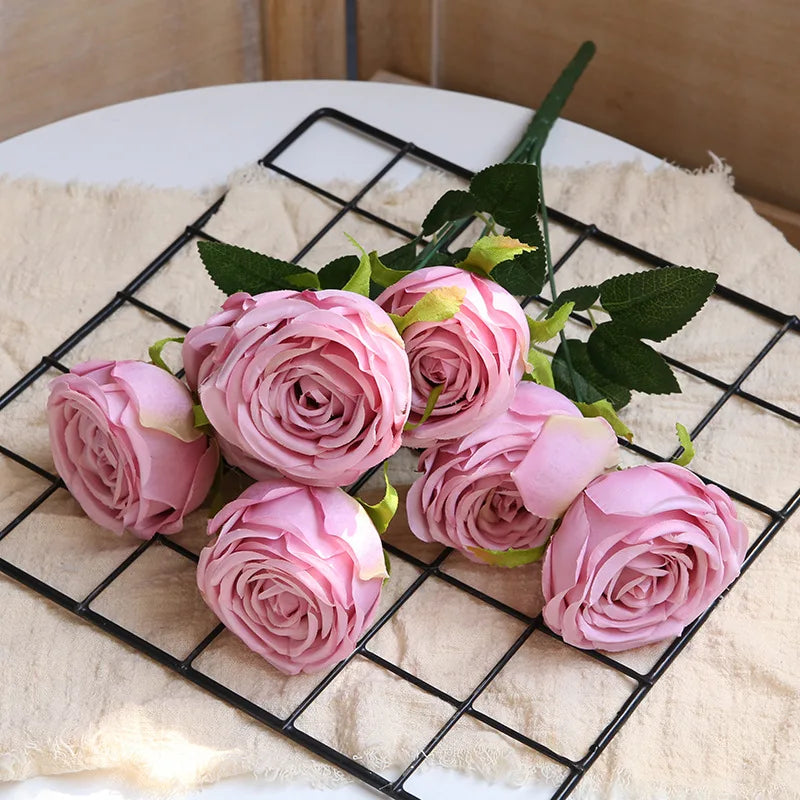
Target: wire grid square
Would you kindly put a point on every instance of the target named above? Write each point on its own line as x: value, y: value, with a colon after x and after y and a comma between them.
x: 198, y: 664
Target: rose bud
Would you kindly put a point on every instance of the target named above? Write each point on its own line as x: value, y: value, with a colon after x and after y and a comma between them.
x: 477, y: 356
x: 125, y: 445
x: 296, y: 573
x: 313, y: 384
x: 640, y: 554
x: 502, y: 486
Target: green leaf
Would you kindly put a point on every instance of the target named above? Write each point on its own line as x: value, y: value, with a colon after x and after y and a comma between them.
x: 457, y: 259
x: 335, y: 274
x: 509, y: 192
x: 656, y: 303
x: 382, y: 512
x: 437, y: 305
x: 452, y: 205
x: 359, y: 281
x: 509, y: 558
x: 523, y: 275
x: 593, y: 384
x: 383, y: 275
x: 429, y: 406
x: 604, y: 409
x: 545, y: 329
x: 489, y: 251
x: 401, y: 258
x: 530, y: 232
x: 686, y: 443
x: 236, y: 269
x: 541, y: 371
x: 304, y: 280
x: 582, y: 297
x: 200, y: 418
x: 155, y: 351
x: 630, y: 362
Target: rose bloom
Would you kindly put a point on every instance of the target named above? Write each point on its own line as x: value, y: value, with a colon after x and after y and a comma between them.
x: 313, y: 384
x: 640, y: 554
x: 125, y: 445
x: 502, y: 486
x: 478, y: 355
x: 296, y: 573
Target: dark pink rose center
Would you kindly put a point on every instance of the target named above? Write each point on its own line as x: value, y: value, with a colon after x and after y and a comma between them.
x: 314, y: 400
x: 652, y: 578
x: 500, y: 506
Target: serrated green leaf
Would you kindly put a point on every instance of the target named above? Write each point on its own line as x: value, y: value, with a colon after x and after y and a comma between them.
x: 336, y: 273
x: 383, y: 275
x: 383, y: 511
x: 237, y: 269
x: 685, y: 458
x: 304, y: 280
x: 545, y: 329
x: 509, y: 558
x: 429, y: 406
x: 656, y: 303
x: 530, y: 232
x: 401, y: 258
x: 437, y: 305
x: 509, y: 192
x: 541, y: 371
x: 592, y: 384
x: 452, y: 205
x: 582, y: 297
x: 604, y: 409
x: 154, y: 351
x: 630, y: 362
x: 489, y: 251
x: 522, y: 275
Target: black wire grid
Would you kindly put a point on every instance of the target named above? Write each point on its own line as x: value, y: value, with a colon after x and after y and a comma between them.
x: 461, y: 706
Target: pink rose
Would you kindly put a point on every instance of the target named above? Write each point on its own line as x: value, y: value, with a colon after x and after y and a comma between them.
x: 502, y: 486
x: 640, y: 554
x: 124, y: 442
x: 478, y: 355
x: 296, y: 573
x: 313, y: 384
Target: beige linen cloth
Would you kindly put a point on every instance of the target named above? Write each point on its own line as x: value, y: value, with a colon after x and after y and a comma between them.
x: 723, y: 723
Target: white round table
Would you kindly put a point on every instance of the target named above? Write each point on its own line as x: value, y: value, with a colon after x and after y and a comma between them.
x: 195, y: 139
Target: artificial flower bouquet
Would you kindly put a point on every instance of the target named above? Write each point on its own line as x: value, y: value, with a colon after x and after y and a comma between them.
x: 303, y: 382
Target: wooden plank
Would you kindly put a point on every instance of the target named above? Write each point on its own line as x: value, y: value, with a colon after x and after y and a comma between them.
x: 678, y: 78
x: 61, y: 58
x: 304, y: 39
x: 787, y: 222
x: 395, y: 37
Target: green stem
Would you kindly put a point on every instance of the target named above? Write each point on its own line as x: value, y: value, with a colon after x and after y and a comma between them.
x: 551, y: 278
x: 591, y: 318
x: 544, y: 350
x: 530, y: 146
x: 488, y: 224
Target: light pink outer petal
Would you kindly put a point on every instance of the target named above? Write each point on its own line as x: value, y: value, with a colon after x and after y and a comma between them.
x: 568, y: 453
x: 163, y: 402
